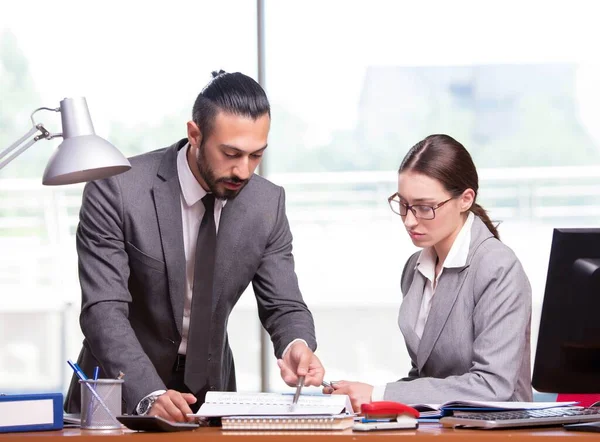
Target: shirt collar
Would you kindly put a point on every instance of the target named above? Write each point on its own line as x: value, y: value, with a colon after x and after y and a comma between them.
x: 426, y: 263
x: 191, y: 190
x: 457, y: 256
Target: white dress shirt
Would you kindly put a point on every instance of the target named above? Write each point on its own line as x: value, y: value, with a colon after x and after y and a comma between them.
x: 192, y: 212
x: 457, y: 257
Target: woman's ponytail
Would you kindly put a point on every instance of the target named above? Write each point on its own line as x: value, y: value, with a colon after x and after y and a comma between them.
x: 481, y: 213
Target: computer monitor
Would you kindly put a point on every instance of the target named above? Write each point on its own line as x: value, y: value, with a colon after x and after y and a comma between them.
x: 567, y: 359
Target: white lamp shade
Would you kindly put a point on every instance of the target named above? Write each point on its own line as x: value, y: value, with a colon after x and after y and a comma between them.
x: 84, y: 158
x: 83, y: 155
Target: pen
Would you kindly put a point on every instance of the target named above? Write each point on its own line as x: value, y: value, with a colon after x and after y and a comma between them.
x: 81, y: 375
x: 328, y: 384
x: 78, y: 371
x: 365, y: 420
x: 90, y: 412
x: 299, y: 386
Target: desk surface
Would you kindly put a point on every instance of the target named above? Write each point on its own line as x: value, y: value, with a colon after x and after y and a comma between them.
x: 425, y: 433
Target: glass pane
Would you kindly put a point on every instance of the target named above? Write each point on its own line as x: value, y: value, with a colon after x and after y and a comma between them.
x: 370, y: 79
x: 140, y: 68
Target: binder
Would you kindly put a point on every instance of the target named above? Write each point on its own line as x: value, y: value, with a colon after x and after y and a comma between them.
x: 31, y: 412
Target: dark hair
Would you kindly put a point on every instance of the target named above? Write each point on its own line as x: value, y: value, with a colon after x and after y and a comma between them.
x: 234, y: 93
x: 443, y: 158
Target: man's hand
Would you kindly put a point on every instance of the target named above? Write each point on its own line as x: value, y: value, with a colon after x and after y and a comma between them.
x: 299, y: 360
x: 358, y: 392
x: 173, y: 406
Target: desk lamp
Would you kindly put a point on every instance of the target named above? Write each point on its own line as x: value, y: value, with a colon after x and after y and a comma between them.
x: 82, y: 156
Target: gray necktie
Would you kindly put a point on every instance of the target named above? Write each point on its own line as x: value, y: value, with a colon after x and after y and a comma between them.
x: 196, y: 364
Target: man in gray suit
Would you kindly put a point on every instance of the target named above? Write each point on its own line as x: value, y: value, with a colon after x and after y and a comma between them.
x: 167, y: 248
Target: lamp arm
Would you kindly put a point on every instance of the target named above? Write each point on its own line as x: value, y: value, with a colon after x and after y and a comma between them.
x: 36, y: 127
x: 18, y: 142
x: 44, y: 134
x: 47, y: 135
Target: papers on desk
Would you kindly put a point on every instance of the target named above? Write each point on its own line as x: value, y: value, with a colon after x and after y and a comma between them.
x: 72, y: 420
x: 275, y: 411
x: 448, y: 408
x: 221, y: 403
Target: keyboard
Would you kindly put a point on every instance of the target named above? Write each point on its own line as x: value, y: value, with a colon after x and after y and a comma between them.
x: 522, y: 418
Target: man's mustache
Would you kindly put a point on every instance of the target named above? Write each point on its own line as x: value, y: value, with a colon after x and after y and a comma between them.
x: 233, y: 179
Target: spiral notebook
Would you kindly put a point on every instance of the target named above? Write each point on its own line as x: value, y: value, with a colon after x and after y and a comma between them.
x: 297, y: 422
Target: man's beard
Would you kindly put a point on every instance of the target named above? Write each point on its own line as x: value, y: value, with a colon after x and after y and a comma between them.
x: 211, y: 180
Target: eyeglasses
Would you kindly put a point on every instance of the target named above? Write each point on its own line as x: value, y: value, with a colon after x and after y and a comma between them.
x: 418, y: 210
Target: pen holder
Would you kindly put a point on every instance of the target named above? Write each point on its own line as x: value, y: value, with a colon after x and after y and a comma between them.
x: 95, y: 416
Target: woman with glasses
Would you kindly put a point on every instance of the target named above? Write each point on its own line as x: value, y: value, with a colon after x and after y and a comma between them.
x: 466, y: 308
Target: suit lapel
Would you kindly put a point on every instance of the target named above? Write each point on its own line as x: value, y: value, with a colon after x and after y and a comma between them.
x: 167, y: 201
x: 409, y: 311
x: 447, y: 291
x: 230, y: 231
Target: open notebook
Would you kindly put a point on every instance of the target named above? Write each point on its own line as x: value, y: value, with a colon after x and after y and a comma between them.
x: 275, y: 411
x: 449, y: 408
x: 226, y: 403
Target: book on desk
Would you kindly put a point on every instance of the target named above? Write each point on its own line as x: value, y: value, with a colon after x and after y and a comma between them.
x: 31, y: 412
x: 436, y: 411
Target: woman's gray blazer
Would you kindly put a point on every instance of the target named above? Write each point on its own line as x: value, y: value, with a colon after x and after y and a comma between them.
x: 475, y: 345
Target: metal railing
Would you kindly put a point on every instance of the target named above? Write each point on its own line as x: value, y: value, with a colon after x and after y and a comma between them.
x: 340, y: 221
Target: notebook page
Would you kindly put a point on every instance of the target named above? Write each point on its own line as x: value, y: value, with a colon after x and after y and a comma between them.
x: 219, y: 404
x: 506, y: 405
x: 509, y: 405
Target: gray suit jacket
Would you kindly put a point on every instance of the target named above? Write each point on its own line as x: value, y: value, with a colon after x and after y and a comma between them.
x: 132, y: 275
x: 475, y: 344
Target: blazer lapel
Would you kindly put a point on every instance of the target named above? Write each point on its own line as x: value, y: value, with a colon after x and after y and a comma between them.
x: 230, y: 231
x: 409, y: 311
x: 447, y: 291
x: 167, y: 201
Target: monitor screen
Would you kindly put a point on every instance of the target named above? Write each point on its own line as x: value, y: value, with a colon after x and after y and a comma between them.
x: 567, y: 358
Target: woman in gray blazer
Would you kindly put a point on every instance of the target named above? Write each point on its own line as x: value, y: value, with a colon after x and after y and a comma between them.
x: 466, y: 311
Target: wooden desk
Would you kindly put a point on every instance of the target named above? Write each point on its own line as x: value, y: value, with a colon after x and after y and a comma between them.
x: 425, y: 433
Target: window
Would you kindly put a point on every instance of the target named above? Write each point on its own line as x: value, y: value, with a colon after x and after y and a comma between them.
x: 140, y: 75
x: 355, y: 85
